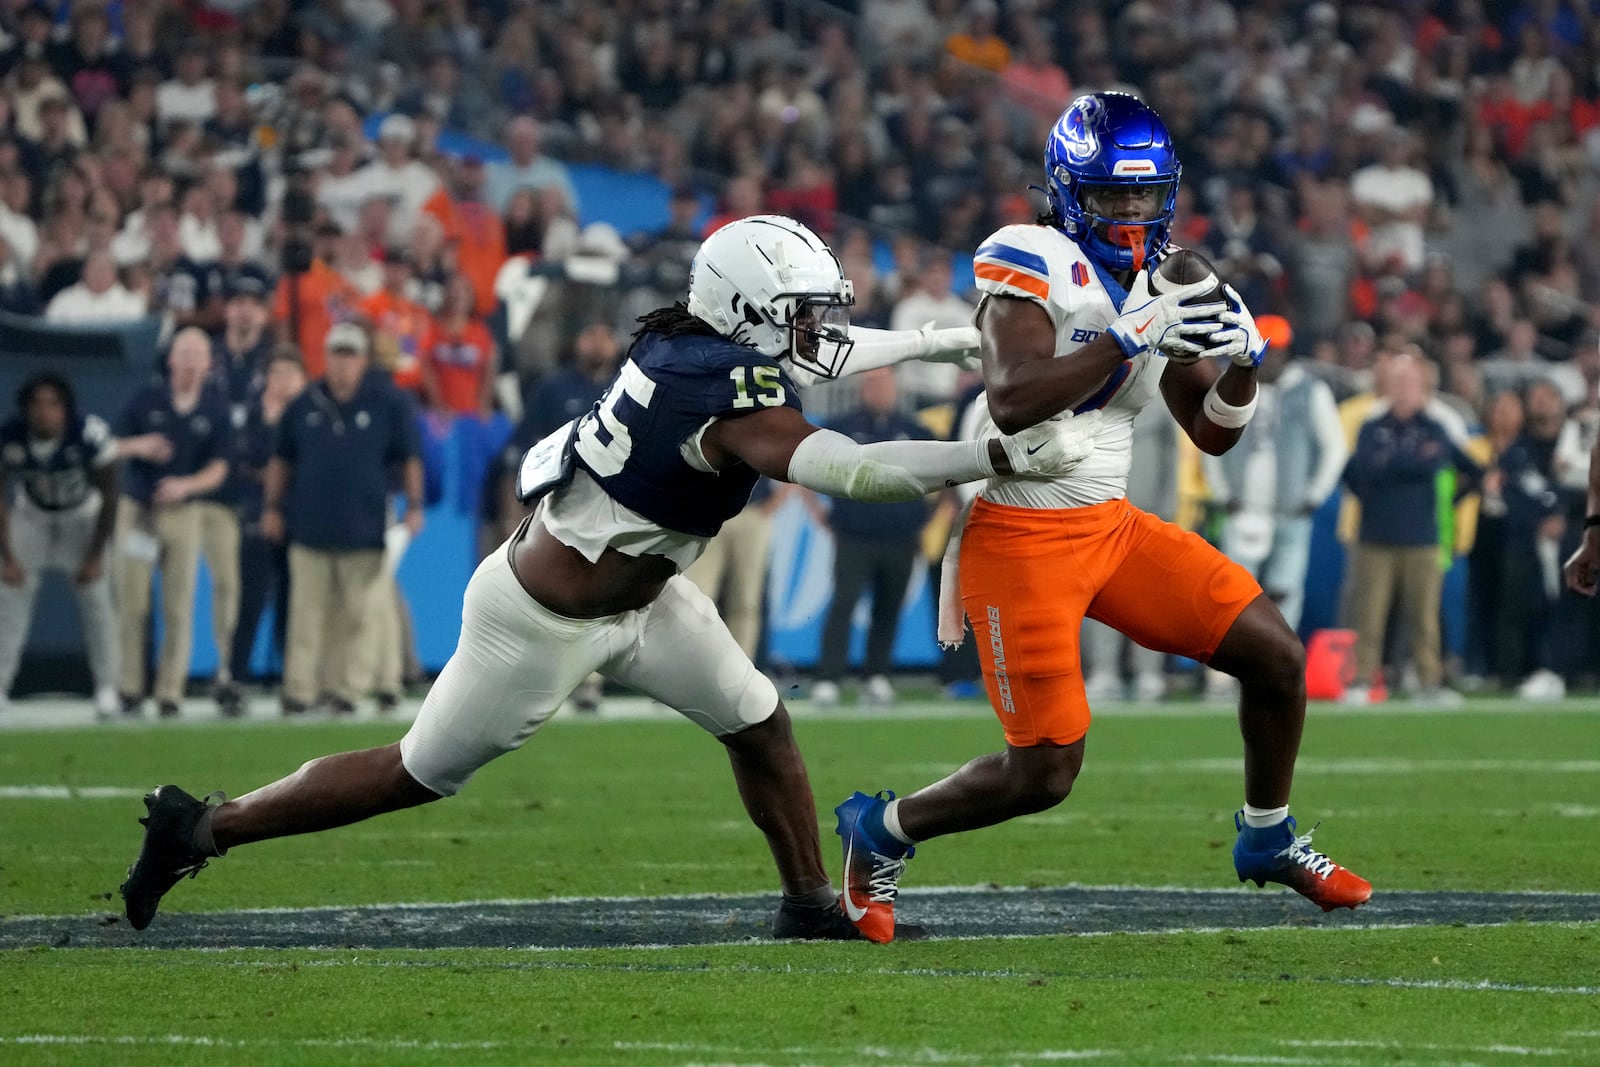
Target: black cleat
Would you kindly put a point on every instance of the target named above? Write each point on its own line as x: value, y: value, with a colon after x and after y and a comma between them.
x: 168, y: 709
x: 342, y: 707
x: 387, y: 702
x: 230, y: 700
x: 802, y: 923
x: 168, y: 854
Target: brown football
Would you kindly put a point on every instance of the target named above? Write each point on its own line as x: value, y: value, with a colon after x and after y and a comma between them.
x: 1180, y: 266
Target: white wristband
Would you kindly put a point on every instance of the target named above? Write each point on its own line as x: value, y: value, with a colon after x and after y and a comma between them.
x: 1225, y: 414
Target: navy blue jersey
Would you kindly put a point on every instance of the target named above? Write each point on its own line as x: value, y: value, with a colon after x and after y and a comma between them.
x: 57, y: 475
x: 197, y: 436
x: 667, y: 389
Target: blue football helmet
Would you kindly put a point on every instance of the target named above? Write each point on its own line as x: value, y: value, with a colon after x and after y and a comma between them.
x: 1104, y: 147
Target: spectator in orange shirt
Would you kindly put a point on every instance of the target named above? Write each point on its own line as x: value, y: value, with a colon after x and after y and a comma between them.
x: 473, y: 227
x: 458, y: 356
x: 306, y: 305
x: 977, y: 43
x: 398, y: 323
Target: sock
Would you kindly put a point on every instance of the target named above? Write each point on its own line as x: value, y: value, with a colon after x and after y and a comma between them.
x: 1258, y: 818
x: 202, y: 830
x: 890, y: 820
x: 824, y: 896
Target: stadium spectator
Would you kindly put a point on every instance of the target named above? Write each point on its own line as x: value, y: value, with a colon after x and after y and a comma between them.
x: 1535, y: 522
x: 1287, y: 462
x: 17, y: 294
x: 308, y: 302
x: 1485, y: 657
x: 473, y: 229
x: 64, y: 464
x: 527, y: 167
x: 931, y: 301
x: 327, y: 494
x: 398, y: 176
x: 176, y: 435
x: 458, y: 356
x: 875, y: 547
x: 399, y: 325
x: 263, y: 564
x: 99, y: 297
x: 1393, y: 196
x: 1393, y: 472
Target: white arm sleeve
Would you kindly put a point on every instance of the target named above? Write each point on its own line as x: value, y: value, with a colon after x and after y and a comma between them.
x: 886, y: 348
x: 829, y: 462
x: 1331, y: 447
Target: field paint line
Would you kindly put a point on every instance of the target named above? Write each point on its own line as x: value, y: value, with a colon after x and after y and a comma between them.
x: 1359, y: 765
x: 921, y: 1054
x: 230, y: 1042
x: 909, y: 892
x: 68, y: 792
x: 1428, y: 1046
x: 1461, y: 985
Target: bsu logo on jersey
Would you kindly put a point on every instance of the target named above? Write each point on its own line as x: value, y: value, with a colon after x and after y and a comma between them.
x: 1080, y: 275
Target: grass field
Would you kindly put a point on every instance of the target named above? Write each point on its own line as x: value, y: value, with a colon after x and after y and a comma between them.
x: 638, y: 820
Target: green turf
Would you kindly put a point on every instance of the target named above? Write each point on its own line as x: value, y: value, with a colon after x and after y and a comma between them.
x: 1283, y: 996
x: 1412, y: 801
x: 1480, y: 800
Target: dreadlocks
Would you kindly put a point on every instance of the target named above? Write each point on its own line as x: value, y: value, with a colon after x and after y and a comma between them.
x: 674, y: 321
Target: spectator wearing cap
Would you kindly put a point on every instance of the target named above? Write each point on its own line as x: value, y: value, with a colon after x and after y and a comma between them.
x: 233, y: 270
x: 175, y: 435
x: 1286, y: 464
x: 472, y: 227
x: 241, y: 347
x: 527, y: 167
x: 327, y: 494
x: 397, y: 175
x: 399, y: 324
x: 459, y: 357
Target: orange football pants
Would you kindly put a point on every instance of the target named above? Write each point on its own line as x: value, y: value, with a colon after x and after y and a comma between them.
x: 1030, y: 575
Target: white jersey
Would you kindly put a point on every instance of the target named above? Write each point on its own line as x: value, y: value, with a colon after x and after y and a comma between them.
x: 1042, y: 264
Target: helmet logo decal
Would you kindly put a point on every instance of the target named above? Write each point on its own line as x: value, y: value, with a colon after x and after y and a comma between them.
x: 1077, y: 133
x: 1133, y: 166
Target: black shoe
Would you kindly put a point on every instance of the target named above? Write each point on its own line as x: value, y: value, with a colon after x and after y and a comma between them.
x: 387, y: 702
x: 293, y: 708
x: 168, y: 709
x: 230, y: 699
x: 586, y: 697
x: 799, y: 922
x: 340, y: 706
x: 131, y: 706
x: 168, y: 853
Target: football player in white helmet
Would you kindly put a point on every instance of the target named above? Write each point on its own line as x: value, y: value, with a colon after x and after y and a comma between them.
x: 625, y: 497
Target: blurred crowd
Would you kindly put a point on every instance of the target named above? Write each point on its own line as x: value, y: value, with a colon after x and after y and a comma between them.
x: 1406, y: 185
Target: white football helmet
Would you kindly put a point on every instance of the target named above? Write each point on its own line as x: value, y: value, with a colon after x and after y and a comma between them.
x: 768, y: 282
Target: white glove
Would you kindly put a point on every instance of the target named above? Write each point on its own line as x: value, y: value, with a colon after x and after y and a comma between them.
x: 1052, y: 447
x: 954, y: 344
x: 1164, y: 322
x: 1238, y: 339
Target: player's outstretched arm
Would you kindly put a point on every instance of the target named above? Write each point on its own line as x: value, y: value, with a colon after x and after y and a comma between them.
x: 886, y: 348
x: 781, y: 444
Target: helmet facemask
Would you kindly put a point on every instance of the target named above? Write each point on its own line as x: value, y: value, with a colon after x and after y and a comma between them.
x: 819, y: 329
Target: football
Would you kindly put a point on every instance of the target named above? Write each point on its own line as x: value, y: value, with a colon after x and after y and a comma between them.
x: 1181, y: 267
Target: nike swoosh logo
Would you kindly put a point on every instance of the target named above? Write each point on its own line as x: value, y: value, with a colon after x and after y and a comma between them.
x: 856, y: 914
x: 1146, y: 326
x: 1036, y: 447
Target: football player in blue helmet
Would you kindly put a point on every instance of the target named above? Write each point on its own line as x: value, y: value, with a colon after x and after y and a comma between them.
x: 1112, y: 178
